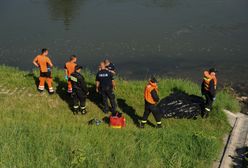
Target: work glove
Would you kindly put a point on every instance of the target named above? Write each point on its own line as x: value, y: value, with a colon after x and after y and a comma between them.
x: 49, y: 69
x: 214, y: 98
x: 66, y: 77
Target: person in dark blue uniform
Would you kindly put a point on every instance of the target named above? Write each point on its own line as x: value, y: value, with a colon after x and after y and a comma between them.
x: 79, y: 91
x: 110, y: 66
x: 105, y: 85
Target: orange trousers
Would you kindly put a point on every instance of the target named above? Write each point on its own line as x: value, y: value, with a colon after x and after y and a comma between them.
x: 69, y: 87
x: 44, y: 80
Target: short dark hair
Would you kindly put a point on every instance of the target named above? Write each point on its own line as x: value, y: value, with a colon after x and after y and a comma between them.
x: 44, y: 50
x: 72, y: 57
x: 153, y: 79
x: 212, y: 70
x: 78, y: 67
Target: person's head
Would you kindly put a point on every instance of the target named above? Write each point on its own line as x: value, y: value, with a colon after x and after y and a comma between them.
x: 44, y: 51
x: 78, y: 68
x: 73, y: 58
x: 107, y: 62
x: 212, y: 71
x: 102, y: 65
x: 153, y: 80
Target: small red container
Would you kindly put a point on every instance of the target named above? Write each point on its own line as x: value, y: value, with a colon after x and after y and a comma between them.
x: 117, y: 122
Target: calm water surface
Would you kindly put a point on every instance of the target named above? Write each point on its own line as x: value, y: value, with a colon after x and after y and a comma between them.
x: 142, y: 37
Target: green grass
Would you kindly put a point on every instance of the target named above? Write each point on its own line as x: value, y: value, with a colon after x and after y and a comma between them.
x: 38, y: 130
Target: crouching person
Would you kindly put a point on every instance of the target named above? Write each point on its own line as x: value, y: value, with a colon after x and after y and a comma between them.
x: 79, y: 91
x: 151, y: 100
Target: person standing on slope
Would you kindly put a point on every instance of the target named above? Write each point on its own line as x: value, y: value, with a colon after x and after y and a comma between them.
x: 110, y: 66
x: 69, y: 69
x: 151, y: 99
x: 44, y: 63
x: 105, y: 85
x: 208, y: 88
x: 79, y: 91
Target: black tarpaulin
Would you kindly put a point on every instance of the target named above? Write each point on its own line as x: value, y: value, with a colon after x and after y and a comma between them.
x: 181, y: 105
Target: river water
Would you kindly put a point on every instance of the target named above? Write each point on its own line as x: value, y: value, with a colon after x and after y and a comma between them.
x: 175, y: 38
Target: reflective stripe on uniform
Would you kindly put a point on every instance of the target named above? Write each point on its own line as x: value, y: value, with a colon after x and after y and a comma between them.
x: 51, y: 90
x: 206, y: 83
x: 159, y: 122
x: 83, y: 108
x: 143, y: 121
x: 41, y: 87
x: 73, y: 79
x: 207, y: 109
x: 207, y: 78
x: 75, y: 107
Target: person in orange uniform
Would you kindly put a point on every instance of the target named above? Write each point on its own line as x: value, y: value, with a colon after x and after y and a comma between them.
x: 44, y: 63
x: 69, y: 69
x: 151, y: 99
x: 208, y: 88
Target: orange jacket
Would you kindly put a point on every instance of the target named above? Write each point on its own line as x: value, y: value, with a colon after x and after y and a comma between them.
x: 42, y: 61
x: 206, y: 80
x: 70, y: 67
x: 147, y: 95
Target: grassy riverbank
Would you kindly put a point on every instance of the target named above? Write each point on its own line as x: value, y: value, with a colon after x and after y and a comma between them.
x: 38, y: 130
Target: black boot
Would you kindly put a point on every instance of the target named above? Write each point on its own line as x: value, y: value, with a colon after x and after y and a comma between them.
x: 206, y: 114
x: 83, y: 110
x: 75, y: 110
x: 51, y: 93
x: 41, y: 91
x: 105, y: 110
x: 159, y: 126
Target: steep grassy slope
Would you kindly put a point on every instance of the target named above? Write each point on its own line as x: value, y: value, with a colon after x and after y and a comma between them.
x: 39, y: 130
